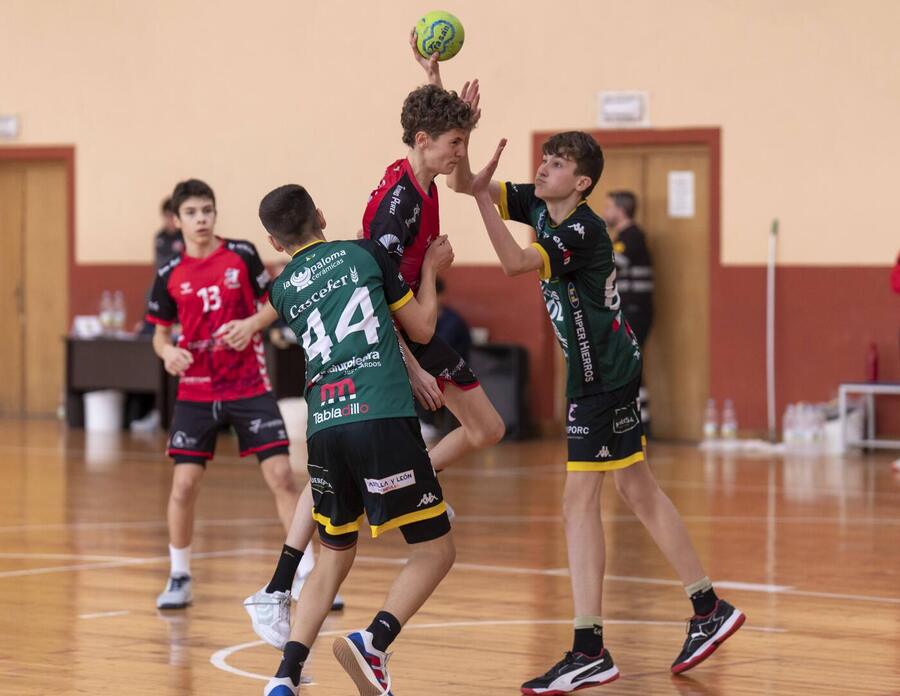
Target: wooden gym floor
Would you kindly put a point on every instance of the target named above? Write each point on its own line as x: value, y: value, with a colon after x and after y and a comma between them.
x: 808, y: 549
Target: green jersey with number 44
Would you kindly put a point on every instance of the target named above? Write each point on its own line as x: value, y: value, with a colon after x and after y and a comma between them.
x: 337, y: 297
x: 578, y: 279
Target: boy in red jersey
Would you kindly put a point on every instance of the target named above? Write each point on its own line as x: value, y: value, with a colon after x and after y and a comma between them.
x: 402, y: 214
x: 212, y: 291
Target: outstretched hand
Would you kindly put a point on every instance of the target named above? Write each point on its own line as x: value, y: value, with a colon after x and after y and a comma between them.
x: 482, y: 180
x: 430, y: 65
x: 471, y: 95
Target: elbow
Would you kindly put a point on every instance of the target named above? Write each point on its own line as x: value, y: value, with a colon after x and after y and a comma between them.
x: 422, y: 334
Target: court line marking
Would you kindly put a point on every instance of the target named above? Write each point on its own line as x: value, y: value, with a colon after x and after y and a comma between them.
x: 219, y: 659
x: 129, y: 562
x: 460, y: 518
x: 478, y: 567
x: 63, y: 556
x: 103, y: 614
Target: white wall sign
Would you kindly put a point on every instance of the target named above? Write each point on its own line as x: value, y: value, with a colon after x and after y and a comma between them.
x: 9, y: 126
x: 623, y: 109
x: 681, y: 194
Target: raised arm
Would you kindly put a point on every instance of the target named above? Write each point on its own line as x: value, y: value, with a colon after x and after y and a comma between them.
x: 514, y: 259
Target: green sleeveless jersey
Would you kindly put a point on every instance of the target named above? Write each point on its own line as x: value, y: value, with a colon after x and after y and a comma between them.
x: 337, y: 298
x: 578, y: 279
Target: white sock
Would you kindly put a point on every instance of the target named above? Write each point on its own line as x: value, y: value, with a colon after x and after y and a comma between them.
x: 181, y: 560
x: 307, y: 562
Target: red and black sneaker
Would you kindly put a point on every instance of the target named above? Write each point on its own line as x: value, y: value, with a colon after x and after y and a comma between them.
x: 706, y: 633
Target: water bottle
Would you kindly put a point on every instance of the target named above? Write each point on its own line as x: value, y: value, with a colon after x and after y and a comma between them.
x: 106, y: 311
x: 710, y: 421
x: 729, y: 421
x: 118, y: 312
x: 789, y: 426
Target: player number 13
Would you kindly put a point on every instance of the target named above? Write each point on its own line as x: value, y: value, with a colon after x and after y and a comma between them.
x: 212, y: 298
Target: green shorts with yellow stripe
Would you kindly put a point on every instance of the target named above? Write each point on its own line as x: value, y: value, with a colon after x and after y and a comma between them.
x: 378, y: 469
x: 605, y: 430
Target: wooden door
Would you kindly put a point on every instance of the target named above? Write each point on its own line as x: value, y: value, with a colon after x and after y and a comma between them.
x: 34, y: 287
x: 12, y: 289
x: 676, y: 357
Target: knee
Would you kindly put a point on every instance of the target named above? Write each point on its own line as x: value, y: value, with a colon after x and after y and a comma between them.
x: 447, y: 553
x: 636, y: 492
x: 487, y: 432
x: 580, y: 497
x: 184, y: 490
x: 279, y: 476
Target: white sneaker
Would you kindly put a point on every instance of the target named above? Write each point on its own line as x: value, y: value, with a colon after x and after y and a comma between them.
x: 270, y: 615
x: 280, y: 686
x: 147, y: 424
x: 177, y: 594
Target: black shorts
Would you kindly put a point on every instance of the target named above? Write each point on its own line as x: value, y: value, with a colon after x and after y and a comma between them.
x: 380, y: 467
x: 196, y: 424
x: 439, y: 360
x: 605, y: 430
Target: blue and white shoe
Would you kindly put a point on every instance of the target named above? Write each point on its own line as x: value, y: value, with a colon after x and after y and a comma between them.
x: 270, y: 614
x: 177, y: 594
x: 280, y: 686
x: 365, y: 665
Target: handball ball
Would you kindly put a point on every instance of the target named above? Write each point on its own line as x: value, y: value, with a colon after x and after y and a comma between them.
x: 441, y: 33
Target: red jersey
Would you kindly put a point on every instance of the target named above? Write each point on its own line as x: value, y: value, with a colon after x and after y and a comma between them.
x: 403, y: 218
x: 202, y: 295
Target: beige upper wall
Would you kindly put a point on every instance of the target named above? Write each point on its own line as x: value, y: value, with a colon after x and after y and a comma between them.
x: 807, y: 94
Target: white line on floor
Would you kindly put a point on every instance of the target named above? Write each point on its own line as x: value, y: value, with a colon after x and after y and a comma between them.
x: 103, y: 614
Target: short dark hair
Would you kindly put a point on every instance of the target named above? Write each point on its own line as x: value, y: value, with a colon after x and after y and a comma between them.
x: 190, y: 188
x: 626, y: 201
x: 583, y: 150
x: 288, y: 214
x: 435, y: 111
x: 166, y: 206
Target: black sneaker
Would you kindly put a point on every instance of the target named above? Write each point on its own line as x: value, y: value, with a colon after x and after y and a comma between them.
x: 706, y: 633
x: 575, y: 671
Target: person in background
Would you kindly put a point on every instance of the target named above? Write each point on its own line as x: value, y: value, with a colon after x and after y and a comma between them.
x: 634, y: 273
x: 169, y: 242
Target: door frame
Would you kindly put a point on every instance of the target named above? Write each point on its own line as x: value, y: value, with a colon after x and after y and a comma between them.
x: 706, y: 136
x: 57, y: 153
x: 53, y: 153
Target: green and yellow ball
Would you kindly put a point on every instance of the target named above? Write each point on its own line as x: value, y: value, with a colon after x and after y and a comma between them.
x: 439, y: 32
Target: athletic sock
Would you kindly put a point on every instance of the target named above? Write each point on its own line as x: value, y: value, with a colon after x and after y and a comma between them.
x: 384, y: 629
x: 292, y: 661
x: 285, y: 570
x: 703, y: 596
x: 180, y: 560
x: 588, y: 635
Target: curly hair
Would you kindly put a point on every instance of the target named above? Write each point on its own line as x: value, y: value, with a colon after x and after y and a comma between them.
x: 434, y: 111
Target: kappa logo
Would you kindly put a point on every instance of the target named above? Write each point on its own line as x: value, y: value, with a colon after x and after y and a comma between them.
x: 427, y: 499
x: 232, y: 278
x: 579, y: 228
x: 603, y: 453
x: 301, y: 279
x: 572, y: 408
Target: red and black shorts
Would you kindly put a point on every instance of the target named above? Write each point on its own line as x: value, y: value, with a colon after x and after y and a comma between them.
x: 605, y: 430
x: 439, y: 360
x: 196, y: 424
x: 380, y: 468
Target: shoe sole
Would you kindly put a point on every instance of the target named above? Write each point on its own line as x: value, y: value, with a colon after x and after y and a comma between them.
x: 354, y: 665
x: 589, y: 685
x: 727, y: 631
x: 170, y: 606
